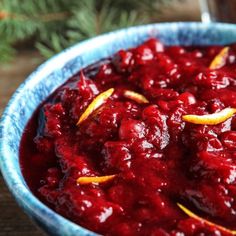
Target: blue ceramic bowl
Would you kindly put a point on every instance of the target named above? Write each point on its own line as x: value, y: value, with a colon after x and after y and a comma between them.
x: 56, y: 71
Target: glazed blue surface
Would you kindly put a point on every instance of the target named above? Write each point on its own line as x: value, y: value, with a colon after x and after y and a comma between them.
x: 56, y: 71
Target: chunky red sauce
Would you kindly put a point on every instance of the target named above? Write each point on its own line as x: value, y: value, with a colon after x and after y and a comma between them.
x: 157, y: 158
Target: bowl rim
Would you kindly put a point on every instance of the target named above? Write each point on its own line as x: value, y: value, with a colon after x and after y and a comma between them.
x: 22, y: 194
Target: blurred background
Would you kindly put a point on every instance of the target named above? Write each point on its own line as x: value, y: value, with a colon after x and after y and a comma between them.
x: 33, y: 30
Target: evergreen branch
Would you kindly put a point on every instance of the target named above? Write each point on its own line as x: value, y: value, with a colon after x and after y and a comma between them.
x: 55, y: 16
x: 6, y: 51
x: 57, y: 24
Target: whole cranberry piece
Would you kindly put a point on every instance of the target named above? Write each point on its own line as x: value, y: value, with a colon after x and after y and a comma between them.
x: 215, y: 105
x: 155, y: 45
x: 187, y: 98
x: 143, y: 55
x: 131, y: 129
x: 150, y: 111
x: 123, y: 60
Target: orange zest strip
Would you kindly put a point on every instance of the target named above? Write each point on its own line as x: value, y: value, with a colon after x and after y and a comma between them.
x: 209, y: 223
x: 96, y: 103
x: 137, y: 97
x: 94, y: 179
x: 220, y: 59
x: 211, y: 119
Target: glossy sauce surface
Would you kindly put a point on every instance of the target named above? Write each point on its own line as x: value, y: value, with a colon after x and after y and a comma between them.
x: 157, y: 158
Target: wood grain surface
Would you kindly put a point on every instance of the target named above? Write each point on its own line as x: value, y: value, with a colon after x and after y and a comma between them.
x: 13, y: 222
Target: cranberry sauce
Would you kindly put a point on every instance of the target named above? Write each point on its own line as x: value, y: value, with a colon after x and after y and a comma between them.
x: 147, y: 159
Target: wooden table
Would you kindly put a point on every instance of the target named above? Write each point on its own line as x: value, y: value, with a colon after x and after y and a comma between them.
x: 13, y: 222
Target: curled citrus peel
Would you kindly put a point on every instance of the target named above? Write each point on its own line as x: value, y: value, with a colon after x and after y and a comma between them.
x: 94, y: 179
x: 137, y: 97
x: 96, y: 103
x: 206, y: 222
x: 220, y: 59
x: 211, y: 119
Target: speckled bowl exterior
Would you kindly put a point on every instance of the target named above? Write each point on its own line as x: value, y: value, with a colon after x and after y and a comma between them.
x: 56, y: 71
